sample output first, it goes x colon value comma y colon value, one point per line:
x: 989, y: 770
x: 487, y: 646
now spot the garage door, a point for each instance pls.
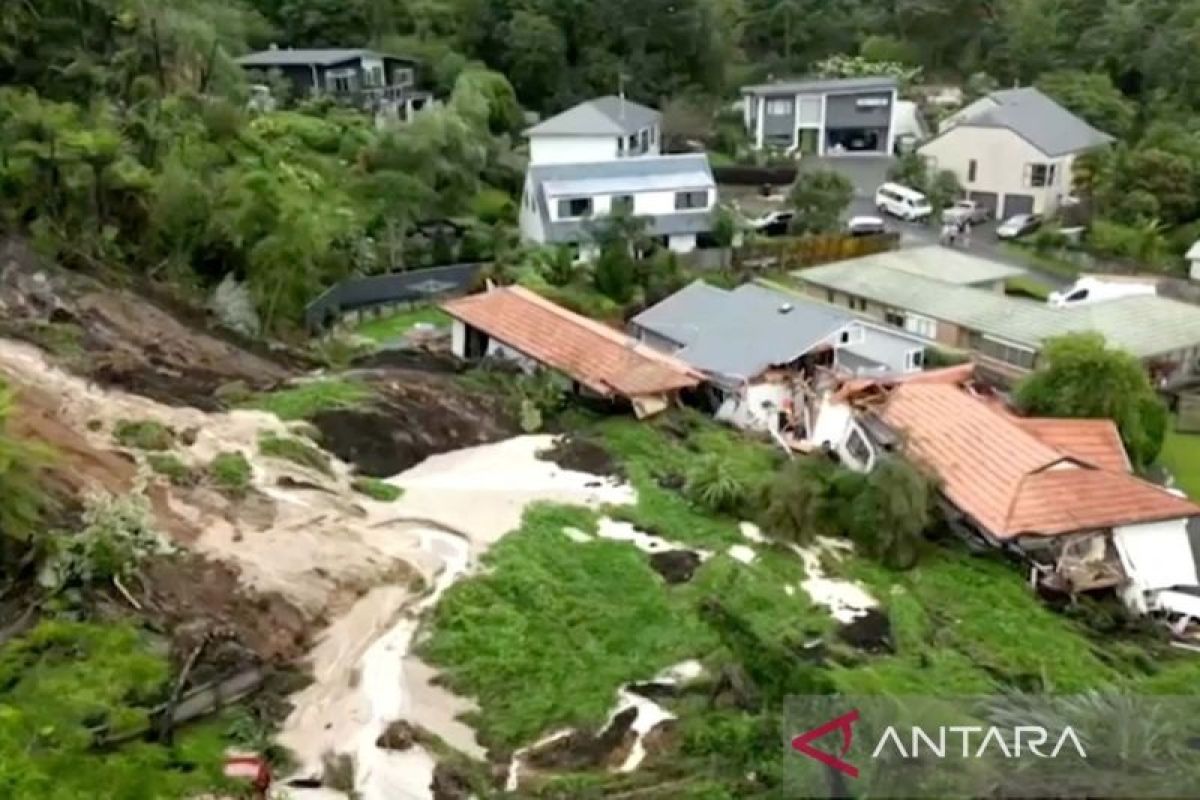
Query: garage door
x: 1017, y: 204
x: 988, y: 200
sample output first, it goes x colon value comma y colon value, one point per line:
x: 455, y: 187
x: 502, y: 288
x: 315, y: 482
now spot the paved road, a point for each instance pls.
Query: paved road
x: 866, y: 173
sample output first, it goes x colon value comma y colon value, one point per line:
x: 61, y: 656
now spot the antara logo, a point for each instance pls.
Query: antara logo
x: 955, y: 740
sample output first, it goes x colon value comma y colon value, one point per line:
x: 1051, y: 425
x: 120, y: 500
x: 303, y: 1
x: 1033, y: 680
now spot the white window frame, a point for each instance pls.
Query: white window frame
x: 568, y: 200
x: 921, y: 325
x: 914, y: 360
x: 688, y: 193
x: 1030, y: 181
x: 851, y: 334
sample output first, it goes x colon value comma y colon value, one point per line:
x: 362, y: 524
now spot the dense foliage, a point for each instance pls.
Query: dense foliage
x: 1079, y: 376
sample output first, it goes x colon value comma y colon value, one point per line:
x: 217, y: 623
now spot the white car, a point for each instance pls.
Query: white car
x: 900, y: 201
x: 966, y: 211
x: 865, y: 226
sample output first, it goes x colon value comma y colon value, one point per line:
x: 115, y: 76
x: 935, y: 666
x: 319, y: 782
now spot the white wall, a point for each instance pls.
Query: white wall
x: 681, y: 243
x: 754, y: 407
x: 571, y: 149
x: 1155, y: 555
x: 1000, y: 158
x: 647, y: 204
x: 458, y: 338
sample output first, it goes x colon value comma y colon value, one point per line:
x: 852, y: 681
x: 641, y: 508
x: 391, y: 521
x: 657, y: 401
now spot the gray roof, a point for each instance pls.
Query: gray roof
x: 287, y: 57
x: 943, y: 264
x: 604, y: 116
x: 1144, y: 325
x: 823, y: 85
x: 738, y: 334
x: 1035, y: 117
x: 622, y: 176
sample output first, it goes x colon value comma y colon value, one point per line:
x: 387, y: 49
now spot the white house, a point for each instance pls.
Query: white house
x: 823, y: 116
x: 602, y: 156
x: 1013, y: 150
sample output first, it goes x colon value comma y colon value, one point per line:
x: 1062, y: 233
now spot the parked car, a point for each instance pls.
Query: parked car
x: 865, y: 226
x: 1018, y: 226
x: 775, y: 223
x: 903, y: 202
x: 967, y: 211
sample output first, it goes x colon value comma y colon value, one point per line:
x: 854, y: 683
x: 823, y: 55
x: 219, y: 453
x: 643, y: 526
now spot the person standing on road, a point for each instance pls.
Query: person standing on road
x: 949, y: 234
x: 965, y: 233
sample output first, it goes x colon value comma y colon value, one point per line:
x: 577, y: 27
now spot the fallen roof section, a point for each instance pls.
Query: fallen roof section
x: 603, y: 360
x: 1010, y: 481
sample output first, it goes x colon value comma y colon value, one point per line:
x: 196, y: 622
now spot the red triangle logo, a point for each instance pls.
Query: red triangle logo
x: 845, y: 724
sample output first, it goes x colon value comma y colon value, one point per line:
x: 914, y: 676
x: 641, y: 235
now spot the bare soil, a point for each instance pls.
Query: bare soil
x: 675, y: 566
x: 871, y: 632
x: 581, y: 455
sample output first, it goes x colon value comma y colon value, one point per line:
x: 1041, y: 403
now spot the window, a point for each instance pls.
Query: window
x: 632, y: 144
x: 402, y: 76
x: 340, y: 80
x: 779, y: 107
x: 852, y: 335
x: 1037, y: 175
x: 574, y: 208
x: 645, y: 143
x: 1013, y: 354
x: 830, y: 296
x: 1053, y: 174
x: 622, y: 203
x: 894, y: 318
x: 620, y: 146
x: 922, y: 326
x: 653, y: 135
x: 685, y: 201
x: 868, y: 103
x: 914, y: 360
x: 972, y: 169
x: 858, y: 303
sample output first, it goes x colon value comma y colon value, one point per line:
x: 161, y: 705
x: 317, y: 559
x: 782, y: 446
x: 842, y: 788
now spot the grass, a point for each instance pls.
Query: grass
x: 304, y: 400
x: 545, y: 636
x: 1181, y: 456
x: 63, y: 681
x: 652, y: 453
x: 297, y: 451
x: 143, y: 435
x: 231, y: 472
x: 170, y: 467
x: 63, y: 339
x: 395, y: 326
x: 1025, y: 286
x: 377, y: 489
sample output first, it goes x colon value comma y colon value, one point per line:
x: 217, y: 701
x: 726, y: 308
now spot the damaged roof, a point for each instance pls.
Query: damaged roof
x: 1016, y: 480
x: 604, y: 360
x: 741, y: 333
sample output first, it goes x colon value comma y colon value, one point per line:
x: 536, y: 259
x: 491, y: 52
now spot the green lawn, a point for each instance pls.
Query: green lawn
x: 305, y: 399
x: 1024, y: 286
x: 1046, y: 262
x: 1181, y: 455
x: 394, y: 326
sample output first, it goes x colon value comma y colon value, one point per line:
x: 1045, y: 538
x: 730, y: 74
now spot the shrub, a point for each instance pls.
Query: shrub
x: 715, y: 484
x: 22, y: 497
x: 116, y: 535
x: 170, y: 467
x: 377, y: 489
x: 231, y: 472
x: 295, y: 450
x: 144, y: 435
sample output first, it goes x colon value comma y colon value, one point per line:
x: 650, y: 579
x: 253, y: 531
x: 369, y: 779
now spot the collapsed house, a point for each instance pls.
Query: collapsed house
x: 1057, y: 492
x: 766, y: 354
x: 517, y: 325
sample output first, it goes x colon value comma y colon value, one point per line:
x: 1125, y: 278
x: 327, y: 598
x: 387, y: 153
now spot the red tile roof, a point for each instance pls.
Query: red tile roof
x: 1094, y: 441
x: 604, y: 360
x: 1011, y: 481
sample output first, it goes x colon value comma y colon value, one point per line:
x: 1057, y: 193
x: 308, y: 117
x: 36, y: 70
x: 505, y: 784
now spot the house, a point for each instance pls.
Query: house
x: 1014, y: 150
x: 823, y: 116
x: 599, y: 362
x: 762, y: 350
x: 378, y: 82
x: 922, y: 290
x: 602, y: 157
x: 1057, y: 492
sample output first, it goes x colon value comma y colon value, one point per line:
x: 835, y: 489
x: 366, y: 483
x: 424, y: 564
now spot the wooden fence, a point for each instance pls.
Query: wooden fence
x: 797, y: 252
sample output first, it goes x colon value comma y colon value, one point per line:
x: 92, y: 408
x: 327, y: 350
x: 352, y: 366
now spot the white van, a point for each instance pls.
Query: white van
x: 902, y: 202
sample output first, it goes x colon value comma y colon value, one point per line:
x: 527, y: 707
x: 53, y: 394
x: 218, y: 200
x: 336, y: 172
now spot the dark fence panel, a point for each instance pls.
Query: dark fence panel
x: 420, y: 285
x: 796, y: 252
x: 748, y: 175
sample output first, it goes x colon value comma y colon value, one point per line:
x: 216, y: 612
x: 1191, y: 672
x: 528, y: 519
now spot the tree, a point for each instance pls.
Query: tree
x: 618, y: 238
x: 1080, y: 377
x: 819, y: 198
x: 537, y: 58
x: 1093, y: 97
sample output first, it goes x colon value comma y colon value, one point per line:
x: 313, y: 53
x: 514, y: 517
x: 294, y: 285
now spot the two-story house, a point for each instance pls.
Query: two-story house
x: 823, y: 116
x: 604, y: 156
x: 1013, y: 150
x: 377, y: 82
